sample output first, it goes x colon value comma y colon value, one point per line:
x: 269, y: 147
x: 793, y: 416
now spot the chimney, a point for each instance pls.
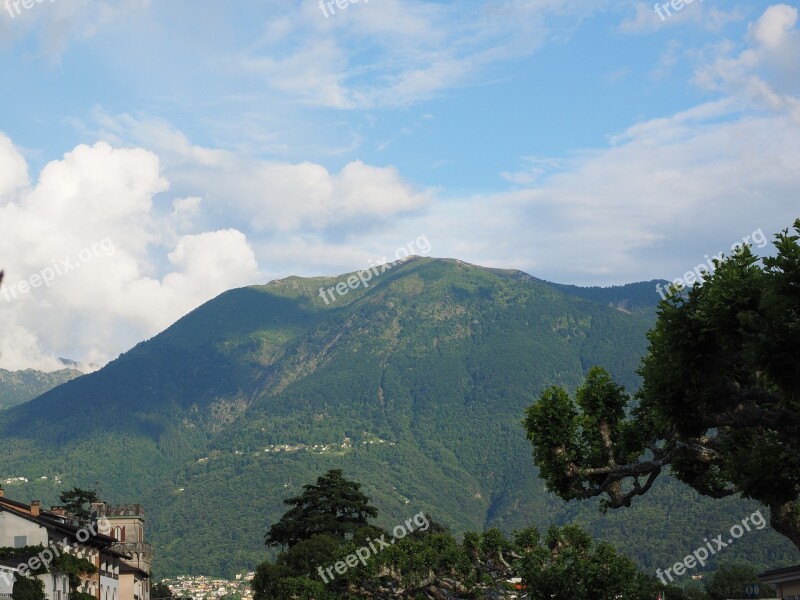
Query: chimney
x: 58, y: 510
x: 2, y: 493
x: 35, y: 505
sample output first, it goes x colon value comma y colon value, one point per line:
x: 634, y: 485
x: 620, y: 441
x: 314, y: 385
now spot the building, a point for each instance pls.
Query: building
x: 122, y: 561
x: 786, y: 582
x: 125, y: 523
x: 7, y: 572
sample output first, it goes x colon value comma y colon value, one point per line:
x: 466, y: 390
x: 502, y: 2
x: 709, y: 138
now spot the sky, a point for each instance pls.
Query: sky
x: 156, y: 153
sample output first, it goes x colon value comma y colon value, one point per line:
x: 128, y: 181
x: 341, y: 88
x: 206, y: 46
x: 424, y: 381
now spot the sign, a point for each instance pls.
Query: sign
x: 751, y: 590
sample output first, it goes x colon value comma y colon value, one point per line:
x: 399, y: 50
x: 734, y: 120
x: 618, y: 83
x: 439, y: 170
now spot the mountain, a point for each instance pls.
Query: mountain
x: 414, y: 385
x: 17, y: 387
x: 632, y: 297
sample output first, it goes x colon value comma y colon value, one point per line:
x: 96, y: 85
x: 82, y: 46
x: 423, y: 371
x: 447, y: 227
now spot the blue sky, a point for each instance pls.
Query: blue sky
x: 217, y: 145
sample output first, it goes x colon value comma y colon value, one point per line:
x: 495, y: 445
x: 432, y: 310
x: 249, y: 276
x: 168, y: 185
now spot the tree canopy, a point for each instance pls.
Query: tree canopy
x: 333, y: 506
x: 431, y: 563
x: 78, y: 502
x: 568, y: 564
x: 161, y: 591
x: 729, y: 582
x: 719, y: 403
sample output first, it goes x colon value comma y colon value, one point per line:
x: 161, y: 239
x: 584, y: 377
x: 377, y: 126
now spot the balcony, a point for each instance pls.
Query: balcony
x: 134, y: 548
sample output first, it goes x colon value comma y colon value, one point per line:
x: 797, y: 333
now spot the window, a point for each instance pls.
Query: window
x: 118, y: 534
x: 20, y: 541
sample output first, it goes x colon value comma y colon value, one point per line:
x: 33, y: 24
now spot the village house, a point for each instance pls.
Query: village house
x: 786, y: 582
x: 113, y: 542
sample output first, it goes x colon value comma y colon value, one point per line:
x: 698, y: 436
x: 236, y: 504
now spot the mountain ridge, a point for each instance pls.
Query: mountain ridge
x: 415, y: 385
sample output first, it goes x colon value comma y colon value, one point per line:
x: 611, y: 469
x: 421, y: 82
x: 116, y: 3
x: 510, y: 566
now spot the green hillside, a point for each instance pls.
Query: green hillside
x: 414, y: 386
x: 631, y: 297
x: 17, y: 387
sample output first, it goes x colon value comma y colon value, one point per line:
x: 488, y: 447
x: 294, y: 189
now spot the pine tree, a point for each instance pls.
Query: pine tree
x: 333, y: 506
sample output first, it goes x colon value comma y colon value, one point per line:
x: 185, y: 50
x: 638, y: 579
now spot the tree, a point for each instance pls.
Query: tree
x: 729, y: 581
x: 161, y: 591
x: 333, y: 506
x: 570, y: 565
x: 28, y: 588
x: 78, y: 502
x: 719, y: 403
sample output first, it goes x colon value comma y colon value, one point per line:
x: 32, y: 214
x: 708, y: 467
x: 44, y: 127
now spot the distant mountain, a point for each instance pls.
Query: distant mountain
x: 17, y: 387
x: 414, y: 385
x: 630, y: 297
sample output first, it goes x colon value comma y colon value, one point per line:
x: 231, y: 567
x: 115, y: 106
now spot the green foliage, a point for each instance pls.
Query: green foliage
x: 415, y: 559
x: 266, y: 582
x: 565, y: 563
x: 23, y: 555
x: 733, y: 344
x: 17, y: 387
x: 333, y: 506
x: 306, y: 555
x: 552, y: 427
x: 160, y: 591
x: 68, y: 564
x: 718, y: 404
x: 729, y: 582
x: 570, y: 565
x: 73, y: 567
x: 300, y: 588
x: 78, y: 502
x: 28, y: 589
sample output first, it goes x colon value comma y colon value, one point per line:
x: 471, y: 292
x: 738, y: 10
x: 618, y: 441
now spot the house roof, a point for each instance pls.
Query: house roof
x: 55, y: 524
x: 126, y: 568
x: 781, y: 575
x: 15, y: 504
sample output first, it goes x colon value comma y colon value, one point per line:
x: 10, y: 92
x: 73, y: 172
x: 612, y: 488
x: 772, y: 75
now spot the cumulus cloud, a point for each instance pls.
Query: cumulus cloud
x: 131, y: 254
x: 83, y: 250
x: 272, y: 196
x: 766, y: 74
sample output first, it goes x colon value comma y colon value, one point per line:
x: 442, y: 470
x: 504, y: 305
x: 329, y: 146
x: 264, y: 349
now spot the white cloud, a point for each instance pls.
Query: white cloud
x: 766, y: 74
x: 396, y: 53
x: 189, y: 220
x: 55, y: 24
x: 775, y: 26
x: 272, y: 196
x: 91, y: 228
x: 14, y: 173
